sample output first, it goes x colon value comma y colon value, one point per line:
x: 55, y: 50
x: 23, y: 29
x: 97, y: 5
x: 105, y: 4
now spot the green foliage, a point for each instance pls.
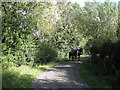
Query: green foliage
x: 6, y: 65
x: 96, y: 76
x: 23, y: 76
x: 45, y: 53
x: 19, y: 46
x: 107, y: 56
x: 38, y: 32
x: 91, y: 74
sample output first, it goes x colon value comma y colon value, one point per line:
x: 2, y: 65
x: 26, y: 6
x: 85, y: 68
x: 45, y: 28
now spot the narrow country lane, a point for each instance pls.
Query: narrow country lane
x: 62, y: 76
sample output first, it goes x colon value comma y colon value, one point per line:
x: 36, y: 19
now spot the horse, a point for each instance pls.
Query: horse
x: 79, y: 52
x: 73, y: 54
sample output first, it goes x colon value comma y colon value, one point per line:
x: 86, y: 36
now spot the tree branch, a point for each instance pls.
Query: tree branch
x: 4, y: 8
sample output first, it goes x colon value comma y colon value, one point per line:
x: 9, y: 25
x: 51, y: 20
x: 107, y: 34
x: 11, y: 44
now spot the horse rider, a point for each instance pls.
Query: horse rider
x: 72, y: 48
x: 78, y: 47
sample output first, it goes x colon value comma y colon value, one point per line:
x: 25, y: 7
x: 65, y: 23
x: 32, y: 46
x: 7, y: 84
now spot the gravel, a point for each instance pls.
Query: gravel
x: 66, y: 75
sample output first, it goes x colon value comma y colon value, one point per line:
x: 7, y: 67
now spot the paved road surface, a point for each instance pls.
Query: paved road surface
x: 62, y: 76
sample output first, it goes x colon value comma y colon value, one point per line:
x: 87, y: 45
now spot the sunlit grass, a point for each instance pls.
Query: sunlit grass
x: 19, y: 77
x: 23, y: 76
x: 82, y: 55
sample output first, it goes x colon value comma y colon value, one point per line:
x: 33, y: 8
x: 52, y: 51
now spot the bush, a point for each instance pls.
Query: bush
x: 108, y: 55
x: 45, y: 53
x: 7, y: 64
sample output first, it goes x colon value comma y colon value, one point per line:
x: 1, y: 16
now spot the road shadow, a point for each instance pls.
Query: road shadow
x: 66, y: 75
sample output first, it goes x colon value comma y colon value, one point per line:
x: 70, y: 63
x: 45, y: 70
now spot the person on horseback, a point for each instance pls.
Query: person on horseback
x: 78, y: 47
x: 78, y: 52
x: 72, y: 48
x: 72, y: 53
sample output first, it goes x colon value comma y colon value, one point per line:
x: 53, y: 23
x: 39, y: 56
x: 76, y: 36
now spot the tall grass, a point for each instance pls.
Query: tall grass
x: 90, y: 73
x: 23, y: 76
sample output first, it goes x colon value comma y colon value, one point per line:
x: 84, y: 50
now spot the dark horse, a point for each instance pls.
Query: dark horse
x: 75, y: 54
x: 79, y: 52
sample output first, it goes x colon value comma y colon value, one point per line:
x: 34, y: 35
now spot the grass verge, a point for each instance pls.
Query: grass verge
x: 23, y: 76
x: 83, y: 55
x: 88, y: 73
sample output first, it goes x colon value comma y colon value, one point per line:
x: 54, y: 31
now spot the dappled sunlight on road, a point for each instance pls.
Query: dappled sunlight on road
x: 62, y: 76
